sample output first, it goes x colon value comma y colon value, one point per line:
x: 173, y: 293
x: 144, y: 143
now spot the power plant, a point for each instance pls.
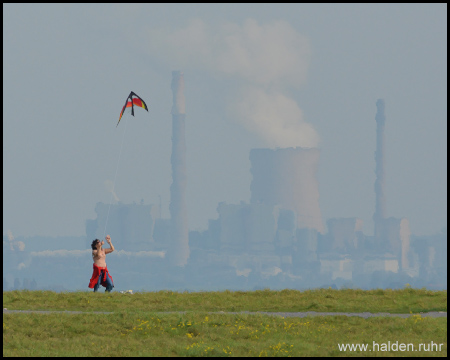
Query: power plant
x: 276, y: 240
x: 287, y: 177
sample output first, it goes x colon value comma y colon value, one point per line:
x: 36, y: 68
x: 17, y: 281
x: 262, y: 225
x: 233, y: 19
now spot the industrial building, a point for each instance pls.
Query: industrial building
x: 278, y: 239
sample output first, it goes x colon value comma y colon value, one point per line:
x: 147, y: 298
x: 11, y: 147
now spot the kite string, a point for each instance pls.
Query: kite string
x: 114, y: 183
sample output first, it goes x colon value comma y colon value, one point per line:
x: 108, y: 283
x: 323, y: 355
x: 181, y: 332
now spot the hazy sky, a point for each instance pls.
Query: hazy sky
x: 262, y: 75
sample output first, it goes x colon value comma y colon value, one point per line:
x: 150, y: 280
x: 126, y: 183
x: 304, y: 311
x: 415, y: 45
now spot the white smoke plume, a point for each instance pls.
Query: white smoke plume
x: 276, y: 118
x: 59, y: 253
x: 11, y: 239
x: 83, y: 253
x: 110, y: 188
x: 268, y: 59
x: 19, y: 245
x: 14, y: 244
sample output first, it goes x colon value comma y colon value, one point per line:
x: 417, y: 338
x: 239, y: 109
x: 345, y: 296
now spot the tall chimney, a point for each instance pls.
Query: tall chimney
x: 380, y: 206
x: 179, y: 248
x: 287, y: 177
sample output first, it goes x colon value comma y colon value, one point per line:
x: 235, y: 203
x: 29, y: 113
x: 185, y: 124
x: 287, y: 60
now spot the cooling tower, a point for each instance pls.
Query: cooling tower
x: 287, y: 177
x: 178, y: 252
x: 380, y: 205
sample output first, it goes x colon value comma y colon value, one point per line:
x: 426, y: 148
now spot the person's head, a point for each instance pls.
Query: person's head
x: 95, y: 243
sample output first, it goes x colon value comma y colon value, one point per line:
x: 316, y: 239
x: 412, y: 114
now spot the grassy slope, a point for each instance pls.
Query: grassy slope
x: 136, y: 329
x: 203, y: 334
x: 325, y: 300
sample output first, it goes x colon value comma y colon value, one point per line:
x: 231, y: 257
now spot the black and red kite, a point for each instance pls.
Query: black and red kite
x: 131, y: 101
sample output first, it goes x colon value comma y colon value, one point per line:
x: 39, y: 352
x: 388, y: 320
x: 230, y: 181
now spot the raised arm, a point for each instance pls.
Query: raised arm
x: 111, y: 246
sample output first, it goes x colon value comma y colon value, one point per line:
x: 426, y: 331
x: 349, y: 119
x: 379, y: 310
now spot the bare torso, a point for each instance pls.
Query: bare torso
x: 100, y: 258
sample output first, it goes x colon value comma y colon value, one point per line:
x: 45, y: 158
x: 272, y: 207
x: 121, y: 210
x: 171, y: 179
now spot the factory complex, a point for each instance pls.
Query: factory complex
x: 277, y: 240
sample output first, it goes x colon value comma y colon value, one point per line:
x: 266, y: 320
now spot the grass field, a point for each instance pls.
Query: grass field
x: 137, y: 326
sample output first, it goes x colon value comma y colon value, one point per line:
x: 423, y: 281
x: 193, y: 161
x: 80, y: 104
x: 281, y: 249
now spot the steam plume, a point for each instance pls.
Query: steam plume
x: 265, y: 60
x: 110, y: 188
x: 11, y: 239
x: 276, y: 118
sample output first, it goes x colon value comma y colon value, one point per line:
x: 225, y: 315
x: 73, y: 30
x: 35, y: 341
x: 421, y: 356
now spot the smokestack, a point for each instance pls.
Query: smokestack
x: 380, y: 205
x: 287, y: 177
x: 179, y: 247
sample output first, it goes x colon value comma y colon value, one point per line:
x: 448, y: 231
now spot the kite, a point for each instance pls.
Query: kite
x: 131, y: 101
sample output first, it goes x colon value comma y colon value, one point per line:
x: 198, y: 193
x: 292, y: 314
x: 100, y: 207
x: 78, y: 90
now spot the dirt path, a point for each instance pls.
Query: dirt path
x: 365, y: 315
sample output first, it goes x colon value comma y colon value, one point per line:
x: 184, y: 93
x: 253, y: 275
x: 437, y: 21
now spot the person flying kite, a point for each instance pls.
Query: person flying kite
x: 131, y: 101
x: 100, y: 274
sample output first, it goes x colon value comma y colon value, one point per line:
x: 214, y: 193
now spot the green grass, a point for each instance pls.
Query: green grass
x: 322, y: 300
x: 137, y: 327
x: 204, y: 334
